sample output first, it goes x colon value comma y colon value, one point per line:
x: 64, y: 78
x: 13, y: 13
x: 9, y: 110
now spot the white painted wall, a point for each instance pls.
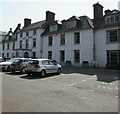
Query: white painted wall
x: 102, y: 46
x: 85, y: 46
x: 36, y: 49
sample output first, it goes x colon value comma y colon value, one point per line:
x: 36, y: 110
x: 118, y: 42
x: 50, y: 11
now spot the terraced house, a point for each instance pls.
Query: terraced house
x: 79, y: 40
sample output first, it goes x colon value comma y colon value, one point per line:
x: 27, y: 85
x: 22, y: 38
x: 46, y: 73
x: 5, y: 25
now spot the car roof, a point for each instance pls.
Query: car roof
x: 39, y: 59
x: 21, y: 58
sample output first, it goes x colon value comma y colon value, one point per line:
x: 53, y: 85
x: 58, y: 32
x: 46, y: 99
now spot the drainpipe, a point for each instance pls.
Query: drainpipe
x: 41, y: 46
x: 94, y: 58
x: 94, y: 49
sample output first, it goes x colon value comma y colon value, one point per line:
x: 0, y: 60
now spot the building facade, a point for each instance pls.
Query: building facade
x: 77, y: 40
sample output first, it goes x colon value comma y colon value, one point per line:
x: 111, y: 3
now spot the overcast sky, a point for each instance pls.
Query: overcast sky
x: 14, y: 11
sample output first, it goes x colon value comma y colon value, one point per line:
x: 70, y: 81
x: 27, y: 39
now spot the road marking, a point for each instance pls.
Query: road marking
x: 98, y: 86
x: 103, y: 83
x: 72, y: 84
x: 109, y: 88
x: 83, y: 80
x: 87, y: 99
x: 91, y: 90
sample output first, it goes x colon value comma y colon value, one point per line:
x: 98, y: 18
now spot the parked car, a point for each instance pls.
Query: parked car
x: 1, y: 59
x: 6, y: 64
x: 42, y: 67
x: 19, y: 65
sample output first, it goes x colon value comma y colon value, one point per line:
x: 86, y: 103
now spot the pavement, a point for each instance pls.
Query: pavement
x: 75, y: 90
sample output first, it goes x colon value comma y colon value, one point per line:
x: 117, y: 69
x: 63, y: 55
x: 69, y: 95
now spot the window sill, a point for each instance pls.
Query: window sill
x: 112, y: 43
x: 76, y: 43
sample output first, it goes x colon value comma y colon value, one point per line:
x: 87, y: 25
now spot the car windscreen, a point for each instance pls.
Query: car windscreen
x: 33, y: 62
x: 11, y: 60
x: 18, y: 61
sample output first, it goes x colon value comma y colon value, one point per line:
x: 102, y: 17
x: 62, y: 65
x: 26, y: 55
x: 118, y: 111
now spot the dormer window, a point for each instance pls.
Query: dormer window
x: 53, y: 28
x: 112, y: 19
x: 71, y: 24
x: 117, y: 18
x: 27, y: 33
x: 34, y: 32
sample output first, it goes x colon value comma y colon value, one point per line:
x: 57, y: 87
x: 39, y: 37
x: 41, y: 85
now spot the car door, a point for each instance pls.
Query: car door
x: 53, y: 66
x: 46, y: 66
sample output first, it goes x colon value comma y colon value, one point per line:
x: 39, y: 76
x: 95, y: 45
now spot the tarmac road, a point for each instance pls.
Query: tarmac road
x: 74, y: 90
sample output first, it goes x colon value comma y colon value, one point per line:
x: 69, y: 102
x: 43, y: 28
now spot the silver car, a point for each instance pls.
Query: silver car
x: 6, y: 64
x: 43, y: 67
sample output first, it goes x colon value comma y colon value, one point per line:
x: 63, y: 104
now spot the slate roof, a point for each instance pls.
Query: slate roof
x: 83, y: 22
x: 40, y: 24
x: 102, y: 24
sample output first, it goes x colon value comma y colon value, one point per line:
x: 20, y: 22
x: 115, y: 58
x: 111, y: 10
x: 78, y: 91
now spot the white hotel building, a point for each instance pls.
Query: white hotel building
x: 78, y: 39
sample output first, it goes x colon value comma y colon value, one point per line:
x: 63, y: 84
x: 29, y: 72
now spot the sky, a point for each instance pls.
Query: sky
x: 13, y: 12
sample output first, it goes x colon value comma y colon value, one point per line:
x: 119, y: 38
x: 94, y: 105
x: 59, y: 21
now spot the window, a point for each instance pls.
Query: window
x: 117, y: 18
x: 34, y: 42
x: 21, y: 44
x: 112, y: 36
x: 107, y: 19
x: 27, y: 43
x: 50, y: 41
x: 77, y: 38
x: 7, y: 55
x: 62, y: 39
x: 34, y: 54
x: 53, y: 28
x: 21, y: 34
x: 112, y: 19
x: 51, y: 63
x: 113, y: 57
x: 8, y: 46
x: 71, y: 24
x: 2, y: 54
x: 34, y: 32
x: 62, y: 56
x: 27, y: 33
x: 13, y: 45
x: 3, y: 46
x: 45, y: 62
x: 49, y: 54
x: 76, y: 56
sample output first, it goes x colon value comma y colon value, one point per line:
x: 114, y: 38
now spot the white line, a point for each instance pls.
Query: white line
x: 72, y: 84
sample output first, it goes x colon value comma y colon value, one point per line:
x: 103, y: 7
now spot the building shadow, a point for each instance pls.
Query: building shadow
x: 103, y: 75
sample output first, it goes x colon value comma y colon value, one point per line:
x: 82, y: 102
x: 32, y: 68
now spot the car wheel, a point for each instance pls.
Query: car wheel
x: 23, y: 70
x: 29, y: 74
x: 43, y: 73
x: 12, y: 71
x: 59, y: 71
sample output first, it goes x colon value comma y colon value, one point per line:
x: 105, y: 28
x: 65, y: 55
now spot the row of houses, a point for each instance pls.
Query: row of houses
x: 78, y: 39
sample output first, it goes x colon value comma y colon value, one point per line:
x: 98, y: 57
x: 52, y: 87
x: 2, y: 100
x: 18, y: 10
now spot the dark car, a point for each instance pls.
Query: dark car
x: 19, y: 65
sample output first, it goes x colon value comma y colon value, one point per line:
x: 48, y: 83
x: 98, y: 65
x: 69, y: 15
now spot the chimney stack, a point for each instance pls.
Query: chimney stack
x: 98, y: 11
x: 27, y: 22
x: 50, y: 16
